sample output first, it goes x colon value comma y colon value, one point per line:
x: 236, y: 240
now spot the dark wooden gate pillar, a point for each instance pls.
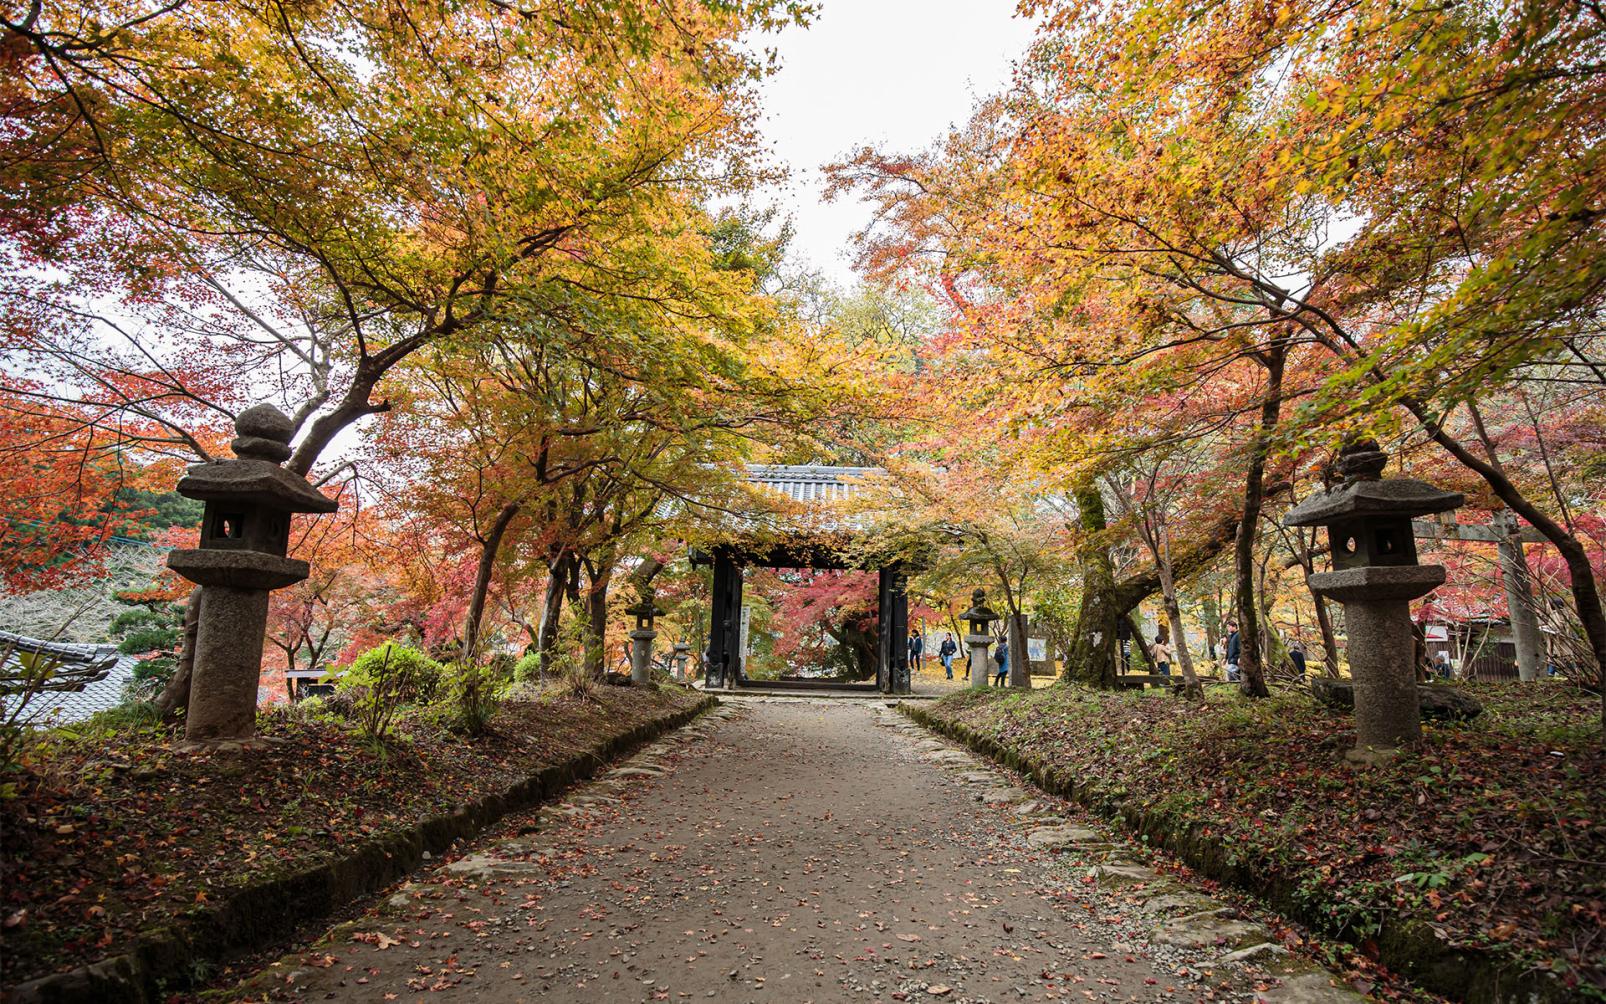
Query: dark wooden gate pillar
x: 884, y: 640
x: 899, y: 594
x: 718, y: 616
x: 725, y: 626
x: 892, y: 617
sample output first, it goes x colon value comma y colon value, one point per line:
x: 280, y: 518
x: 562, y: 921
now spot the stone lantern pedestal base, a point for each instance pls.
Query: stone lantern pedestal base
x: 1377, y: 615
x: 979, y: 669
x: 228, y: 663
x: 641, y: 656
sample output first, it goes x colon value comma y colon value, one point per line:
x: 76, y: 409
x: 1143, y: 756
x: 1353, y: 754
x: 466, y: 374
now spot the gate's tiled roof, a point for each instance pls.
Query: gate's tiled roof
x: 807, y: 483
x: 84, y: 679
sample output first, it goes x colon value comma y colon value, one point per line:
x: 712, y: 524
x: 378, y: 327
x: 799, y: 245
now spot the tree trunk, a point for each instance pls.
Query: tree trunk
x: 1519, y: 600
x: 1191, y: 688
x: 546, y: 639
x: 1091, y: 660
x: 1020, y: 662
x: 482, y: 581
x: 1140, y: 645
x: 1324, y: 621
x: 596, y: 600
x: 1250, y: 661
x: 175, y: 696
x: 1212, y: 623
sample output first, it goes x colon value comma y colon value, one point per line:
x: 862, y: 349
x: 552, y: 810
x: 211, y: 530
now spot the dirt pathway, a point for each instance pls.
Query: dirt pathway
x: 791, y: 851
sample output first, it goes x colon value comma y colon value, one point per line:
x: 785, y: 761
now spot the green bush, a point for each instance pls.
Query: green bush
x: 475, y: 692
x: 383, y: 679
x: 151, y: 632
x: 527, y: 668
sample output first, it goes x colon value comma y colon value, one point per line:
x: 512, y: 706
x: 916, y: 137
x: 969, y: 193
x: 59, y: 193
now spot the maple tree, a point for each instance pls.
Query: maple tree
x: 1159, y: 211
x: 287, y: 199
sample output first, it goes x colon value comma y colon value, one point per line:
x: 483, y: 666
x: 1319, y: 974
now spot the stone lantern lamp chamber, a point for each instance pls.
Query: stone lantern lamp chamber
x: 645, y: 610
x: 245, y: 539
x: 1376, y: 575
x: 978, y: 617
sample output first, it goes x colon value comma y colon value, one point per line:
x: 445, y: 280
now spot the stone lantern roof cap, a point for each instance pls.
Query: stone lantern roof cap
x: 254, y: 475
x: 259, y: 481
x: 645, y: 607
x: 1366, y: 493
x: 979, y: 611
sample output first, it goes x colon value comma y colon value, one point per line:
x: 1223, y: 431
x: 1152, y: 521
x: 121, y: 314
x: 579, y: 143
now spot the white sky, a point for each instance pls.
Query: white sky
x: 886, y: 72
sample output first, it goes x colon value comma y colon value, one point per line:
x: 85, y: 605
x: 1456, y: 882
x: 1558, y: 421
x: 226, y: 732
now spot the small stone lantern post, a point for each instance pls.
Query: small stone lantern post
x: 643, y: 610
x: 245, y: 536
x: 682, y: 653
x: 978, y: 617
x: 1375, y: 575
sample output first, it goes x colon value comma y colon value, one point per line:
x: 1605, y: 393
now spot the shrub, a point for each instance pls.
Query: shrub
x: 575, y: 682
x: 27, y: 675
x: 384, y: 678
x: 476, y: 691
x: 527, y: 668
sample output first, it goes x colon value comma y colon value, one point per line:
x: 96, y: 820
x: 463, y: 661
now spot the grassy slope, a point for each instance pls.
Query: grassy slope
x: 1495, y: 831
x: 116, y: 832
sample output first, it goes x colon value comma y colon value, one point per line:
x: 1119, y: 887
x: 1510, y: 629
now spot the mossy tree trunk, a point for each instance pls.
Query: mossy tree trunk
x: 1092, y: 657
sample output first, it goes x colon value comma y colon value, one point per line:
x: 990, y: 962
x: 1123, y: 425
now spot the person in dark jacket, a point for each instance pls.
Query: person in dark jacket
x: 1296, y: 655
x: 1002, y: 655
x: 946, y: 652
x: 917, y: 650
x: 1235, y: 647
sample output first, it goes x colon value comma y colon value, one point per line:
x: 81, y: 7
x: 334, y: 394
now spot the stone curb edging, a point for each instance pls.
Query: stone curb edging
x: 165, y: 959
x: 1406, y: 946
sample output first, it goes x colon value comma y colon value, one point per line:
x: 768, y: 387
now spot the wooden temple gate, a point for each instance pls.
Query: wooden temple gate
x: 722, y: 663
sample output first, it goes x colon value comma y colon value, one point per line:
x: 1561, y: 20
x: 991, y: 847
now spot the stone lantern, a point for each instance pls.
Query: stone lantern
x: 682, y: 653
x: 978, y: 617
x: 643, y: 610
x: 1375, y: 575
x: 245, y: 536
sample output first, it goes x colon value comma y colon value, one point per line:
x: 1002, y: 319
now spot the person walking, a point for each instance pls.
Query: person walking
x: 946, y: 652
x: 1234, y: 651
x: 1002, y: 655
x: 1162, y: 655
x: 917, y: 650
x: 1296, y: 655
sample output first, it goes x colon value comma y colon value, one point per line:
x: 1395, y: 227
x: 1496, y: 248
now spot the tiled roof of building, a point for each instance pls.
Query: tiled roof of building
x: 812, y: 482
x: 84, y: 678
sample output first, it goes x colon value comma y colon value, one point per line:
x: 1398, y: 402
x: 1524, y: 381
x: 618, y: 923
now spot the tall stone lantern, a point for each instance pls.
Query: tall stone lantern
x: 644, y: 611
x: 1376, y: 575
x: 978, y: 617
x: 245, y: 537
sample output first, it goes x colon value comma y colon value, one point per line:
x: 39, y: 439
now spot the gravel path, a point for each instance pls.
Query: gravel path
x: 794, y: 851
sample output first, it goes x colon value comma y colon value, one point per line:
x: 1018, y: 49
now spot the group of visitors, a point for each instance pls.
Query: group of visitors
x: 945, y: 652
x: 1232, y: 654
x: 1298, y: 656
x: 949, y: 649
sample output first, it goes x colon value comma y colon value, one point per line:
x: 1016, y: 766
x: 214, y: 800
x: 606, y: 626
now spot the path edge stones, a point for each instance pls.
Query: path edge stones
x: 1464, y: 973
x: 176, y: 956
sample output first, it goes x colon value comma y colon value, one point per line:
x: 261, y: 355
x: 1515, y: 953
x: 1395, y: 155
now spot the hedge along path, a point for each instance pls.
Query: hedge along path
x: 1405, y: 946
x: 175, y: 956
x: 788, y: 850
